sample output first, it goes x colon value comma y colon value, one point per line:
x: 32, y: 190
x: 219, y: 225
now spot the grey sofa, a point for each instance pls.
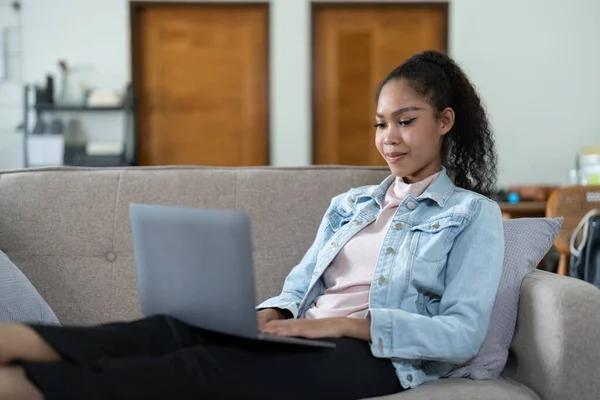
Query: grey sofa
x: 68, y: 230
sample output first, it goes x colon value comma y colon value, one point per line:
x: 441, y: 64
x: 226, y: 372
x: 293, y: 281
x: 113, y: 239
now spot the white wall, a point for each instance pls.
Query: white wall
x: 93, y: 37
x: 290, y: 119
x: 10, y: 87
x: 536, y: 63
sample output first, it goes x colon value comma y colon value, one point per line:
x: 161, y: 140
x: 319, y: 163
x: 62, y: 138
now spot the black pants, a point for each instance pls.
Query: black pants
x: 163, y: 358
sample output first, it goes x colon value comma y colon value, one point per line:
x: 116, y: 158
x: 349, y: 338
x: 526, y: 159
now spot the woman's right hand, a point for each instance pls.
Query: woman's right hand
x: 266, y: 315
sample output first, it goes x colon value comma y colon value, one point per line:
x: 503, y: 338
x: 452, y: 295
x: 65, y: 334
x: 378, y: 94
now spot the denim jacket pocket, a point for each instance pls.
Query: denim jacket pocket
x: 434, y: 238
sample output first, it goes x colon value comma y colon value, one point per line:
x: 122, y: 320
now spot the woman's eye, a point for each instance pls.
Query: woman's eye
x: 379, y: 125
x: 407, y: 122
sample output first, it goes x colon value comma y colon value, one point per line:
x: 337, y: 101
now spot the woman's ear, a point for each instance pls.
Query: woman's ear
x: 446, y: 120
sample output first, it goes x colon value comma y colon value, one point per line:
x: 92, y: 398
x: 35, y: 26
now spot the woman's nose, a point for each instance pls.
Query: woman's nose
x: 392, y: 137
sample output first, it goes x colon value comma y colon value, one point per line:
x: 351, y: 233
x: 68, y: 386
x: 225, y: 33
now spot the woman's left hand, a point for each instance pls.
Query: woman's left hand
x: 358, y: 328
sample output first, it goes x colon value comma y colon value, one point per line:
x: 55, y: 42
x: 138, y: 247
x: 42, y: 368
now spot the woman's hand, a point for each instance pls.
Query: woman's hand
x: 266, y: 315
x: 307, y: 328
x: 358, y: 328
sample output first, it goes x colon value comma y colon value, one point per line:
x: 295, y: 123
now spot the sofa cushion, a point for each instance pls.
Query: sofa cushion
x: 20, y: 302
x: 526, y: 242
x: 463, y: 389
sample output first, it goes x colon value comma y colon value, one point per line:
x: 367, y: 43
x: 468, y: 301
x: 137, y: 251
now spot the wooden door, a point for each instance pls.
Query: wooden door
x: 354, y: 48
x: 201, y: 80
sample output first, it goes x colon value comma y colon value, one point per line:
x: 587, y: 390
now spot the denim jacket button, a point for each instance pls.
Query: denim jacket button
x: 409, y: 377
x: 411, y: 205
x: 398, y: 226
x: 381, y: 280
x: 389, y: 250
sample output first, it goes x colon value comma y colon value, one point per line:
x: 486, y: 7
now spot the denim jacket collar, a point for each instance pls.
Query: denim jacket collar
x: 439, y: 190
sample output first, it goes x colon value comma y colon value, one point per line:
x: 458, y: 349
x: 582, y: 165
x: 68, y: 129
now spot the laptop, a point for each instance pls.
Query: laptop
x: 196, y: 265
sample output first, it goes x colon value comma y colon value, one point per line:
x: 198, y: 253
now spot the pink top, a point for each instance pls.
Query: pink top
x: 348, y: 277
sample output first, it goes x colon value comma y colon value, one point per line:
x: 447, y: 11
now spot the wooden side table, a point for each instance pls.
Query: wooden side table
x: 525, y: 209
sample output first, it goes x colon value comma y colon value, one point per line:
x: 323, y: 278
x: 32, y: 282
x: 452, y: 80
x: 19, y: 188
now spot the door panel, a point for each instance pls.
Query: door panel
x: 355, y: 47
x: 201, y: 78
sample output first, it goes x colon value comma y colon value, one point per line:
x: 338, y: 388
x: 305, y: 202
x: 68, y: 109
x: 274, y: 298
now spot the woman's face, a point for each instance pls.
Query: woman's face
x: 409, y: 133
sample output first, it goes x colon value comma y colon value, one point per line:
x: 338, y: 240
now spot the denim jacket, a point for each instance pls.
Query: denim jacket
x: 435, y: 280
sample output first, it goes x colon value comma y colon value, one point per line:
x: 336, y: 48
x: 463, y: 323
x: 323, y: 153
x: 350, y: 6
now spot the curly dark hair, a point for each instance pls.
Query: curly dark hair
x: 468, y: 150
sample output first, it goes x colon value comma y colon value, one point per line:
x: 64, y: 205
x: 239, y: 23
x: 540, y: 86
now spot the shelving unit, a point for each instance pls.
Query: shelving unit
x: 75, y: 155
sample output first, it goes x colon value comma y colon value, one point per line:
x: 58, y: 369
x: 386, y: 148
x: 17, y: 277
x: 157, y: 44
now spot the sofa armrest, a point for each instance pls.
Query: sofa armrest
x: 556, y: 347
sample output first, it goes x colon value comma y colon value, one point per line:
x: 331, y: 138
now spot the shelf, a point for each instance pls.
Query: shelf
x: 56, y: 108
x: 70, y: 156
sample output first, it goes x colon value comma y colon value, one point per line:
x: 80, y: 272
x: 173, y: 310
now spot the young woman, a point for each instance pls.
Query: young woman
x: 402, y: 276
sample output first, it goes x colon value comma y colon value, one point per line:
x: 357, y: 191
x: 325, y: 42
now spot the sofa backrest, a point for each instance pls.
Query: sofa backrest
x: 68, y: 228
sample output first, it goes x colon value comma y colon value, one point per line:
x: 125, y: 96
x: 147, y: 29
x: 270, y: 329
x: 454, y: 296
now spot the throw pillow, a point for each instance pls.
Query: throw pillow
x: 526, y: 242
x: 20, y: 302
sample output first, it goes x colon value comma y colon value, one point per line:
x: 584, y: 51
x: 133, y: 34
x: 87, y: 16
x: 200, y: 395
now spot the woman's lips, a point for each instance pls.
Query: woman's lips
x: 395, y: 156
